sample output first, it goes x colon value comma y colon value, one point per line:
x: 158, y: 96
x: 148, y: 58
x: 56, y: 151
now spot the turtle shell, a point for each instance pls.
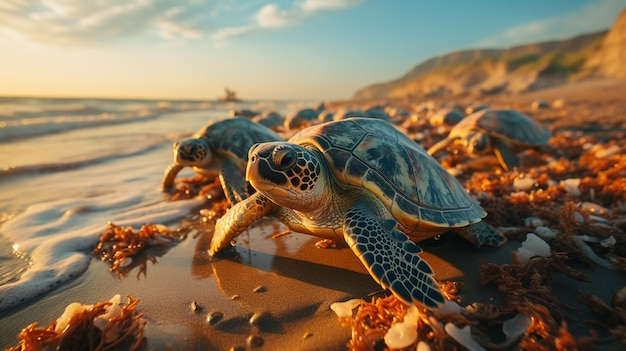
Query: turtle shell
x: 414, y: 187
x: 510, y: 125
x: 233, y: 137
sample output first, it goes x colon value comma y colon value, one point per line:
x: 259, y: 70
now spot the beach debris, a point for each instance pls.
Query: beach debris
x: 293, y: 178
x: 326, y: 244
x: 102, y: 326
x: 571, y: 185
x: 523, y: 184
x: 119, y: 245
x: 222, y: 141
x: 495, y: 131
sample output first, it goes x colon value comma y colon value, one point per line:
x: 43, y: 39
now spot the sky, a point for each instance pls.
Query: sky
x: 279, y: 49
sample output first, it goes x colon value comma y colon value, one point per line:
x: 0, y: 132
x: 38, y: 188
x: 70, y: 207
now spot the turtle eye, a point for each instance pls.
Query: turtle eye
x: 283, y: 157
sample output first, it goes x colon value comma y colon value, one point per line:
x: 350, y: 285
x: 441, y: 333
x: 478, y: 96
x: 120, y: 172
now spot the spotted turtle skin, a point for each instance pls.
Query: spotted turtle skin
x: 362, y: 181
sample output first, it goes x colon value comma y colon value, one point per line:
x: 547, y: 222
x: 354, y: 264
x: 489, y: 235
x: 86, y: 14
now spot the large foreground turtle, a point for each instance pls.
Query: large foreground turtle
x: 362, y: 181
x: 500, y: 131
x: 223, y: 143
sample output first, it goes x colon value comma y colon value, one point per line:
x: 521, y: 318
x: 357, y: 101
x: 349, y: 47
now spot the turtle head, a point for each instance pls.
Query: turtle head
x: 477, y: 143
x: 286, y: 173
x: 193, y: 152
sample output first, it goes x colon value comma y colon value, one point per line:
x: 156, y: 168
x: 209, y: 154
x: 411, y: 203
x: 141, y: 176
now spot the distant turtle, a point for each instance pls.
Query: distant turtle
x: 272, y: 120
x: 446, y: 117
x: 500, y: 131
x: 224, y: 141
x: 363, y: 181
x: 301, y: 119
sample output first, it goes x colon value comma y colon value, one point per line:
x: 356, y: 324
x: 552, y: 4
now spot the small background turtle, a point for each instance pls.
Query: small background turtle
x: 363, y: 181
x: 501, y: 131
x: 222, y: 143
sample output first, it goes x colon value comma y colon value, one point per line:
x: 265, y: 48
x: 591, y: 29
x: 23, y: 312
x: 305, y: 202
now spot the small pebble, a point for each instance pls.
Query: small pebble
x: 261, y: 320
x: 533, y: 222
x: 260, y: 288
x: 195, y: 307
x: 254, y: 341
x: 326, y: 244
x: 307, y: 335
x: 214, y: 317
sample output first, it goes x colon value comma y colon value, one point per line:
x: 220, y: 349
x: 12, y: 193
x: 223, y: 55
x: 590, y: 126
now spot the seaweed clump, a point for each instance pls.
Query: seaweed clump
x: 104, y: 326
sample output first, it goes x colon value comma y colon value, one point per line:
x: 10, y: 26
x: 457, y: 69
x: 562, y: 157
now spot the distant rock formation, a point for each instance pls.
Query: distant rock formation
x: 610, y: 60
x: 513, y: 70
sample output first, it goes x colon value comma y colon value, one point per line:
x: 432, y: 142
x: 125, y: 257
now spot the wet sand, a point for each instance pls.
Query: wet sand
x: 300, y: 281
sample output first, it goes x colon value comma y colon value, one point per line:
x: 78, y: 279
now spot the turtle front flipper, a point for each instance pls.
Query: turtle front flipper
x: 237, y: 219
x: 481, y: 233
x: 233, y: 183
x: 391, y: 258
x: 169, y: 175
x: 507, y: 157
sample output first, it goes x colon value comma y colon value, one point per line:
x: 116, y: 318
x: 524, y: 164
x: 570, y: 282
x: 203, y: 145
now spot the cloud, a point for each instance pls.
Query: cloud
x: 79, y: 22
x: 82, y: 22
x: 593, y: 17
x: 272, y: 16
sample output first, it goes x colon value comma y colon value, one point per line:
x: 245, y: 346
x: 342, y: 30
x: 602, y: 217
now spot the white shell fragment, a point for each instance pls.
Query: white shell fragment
x: 545, y: 232
x: 344, y: 309
x: 608, y: 242
x: 531, y: 247
x: 516, y: 326
x: 523, y: 184
x: 533, y: 222
x: 401, y: 335
x: 463, y: 337
x: 422, y: 346
x: 610, y: 151
x: 571, y: 186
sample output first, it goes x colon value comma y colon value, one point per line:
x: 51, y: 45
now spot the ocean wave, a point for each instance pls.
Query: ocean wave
x: 27, y: 119
x: 92, y: 159
x: 60, y: 250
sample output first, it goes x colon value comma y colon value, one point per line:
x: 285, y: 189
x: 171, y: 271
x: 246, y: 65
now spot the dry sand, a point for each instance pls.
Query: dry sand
x: 299, y: 280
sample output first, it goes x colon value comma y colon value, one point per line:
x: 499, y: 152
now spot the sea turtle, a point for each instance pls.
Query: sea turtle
x: 501, y: 131
x: 363, y: 181
x: 223, y: 140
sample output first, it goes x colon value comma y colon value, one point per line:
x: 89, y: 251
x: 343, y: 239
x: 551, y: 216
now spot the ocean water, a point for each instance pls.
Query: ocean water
x: 69, y: 166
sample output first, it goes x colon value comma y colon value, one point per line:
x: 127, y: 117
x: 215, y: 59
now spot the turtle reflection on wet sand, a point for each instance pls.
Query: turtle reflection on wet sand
x: 498, y: 131
x: 223, y: 143
x: 362, y: 181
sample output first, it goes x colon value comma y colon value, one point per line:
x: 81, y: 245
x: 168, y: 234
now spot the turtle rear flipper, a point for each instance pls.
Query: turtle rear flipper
x: 391, y: 258
x: 233, y: 183
x: 505, y: 155
x: 481, y: 233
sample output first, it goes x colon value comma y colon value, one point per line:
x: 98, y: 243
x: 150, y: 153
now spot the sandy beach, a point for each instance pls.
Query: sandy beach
x: 281, y: 288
